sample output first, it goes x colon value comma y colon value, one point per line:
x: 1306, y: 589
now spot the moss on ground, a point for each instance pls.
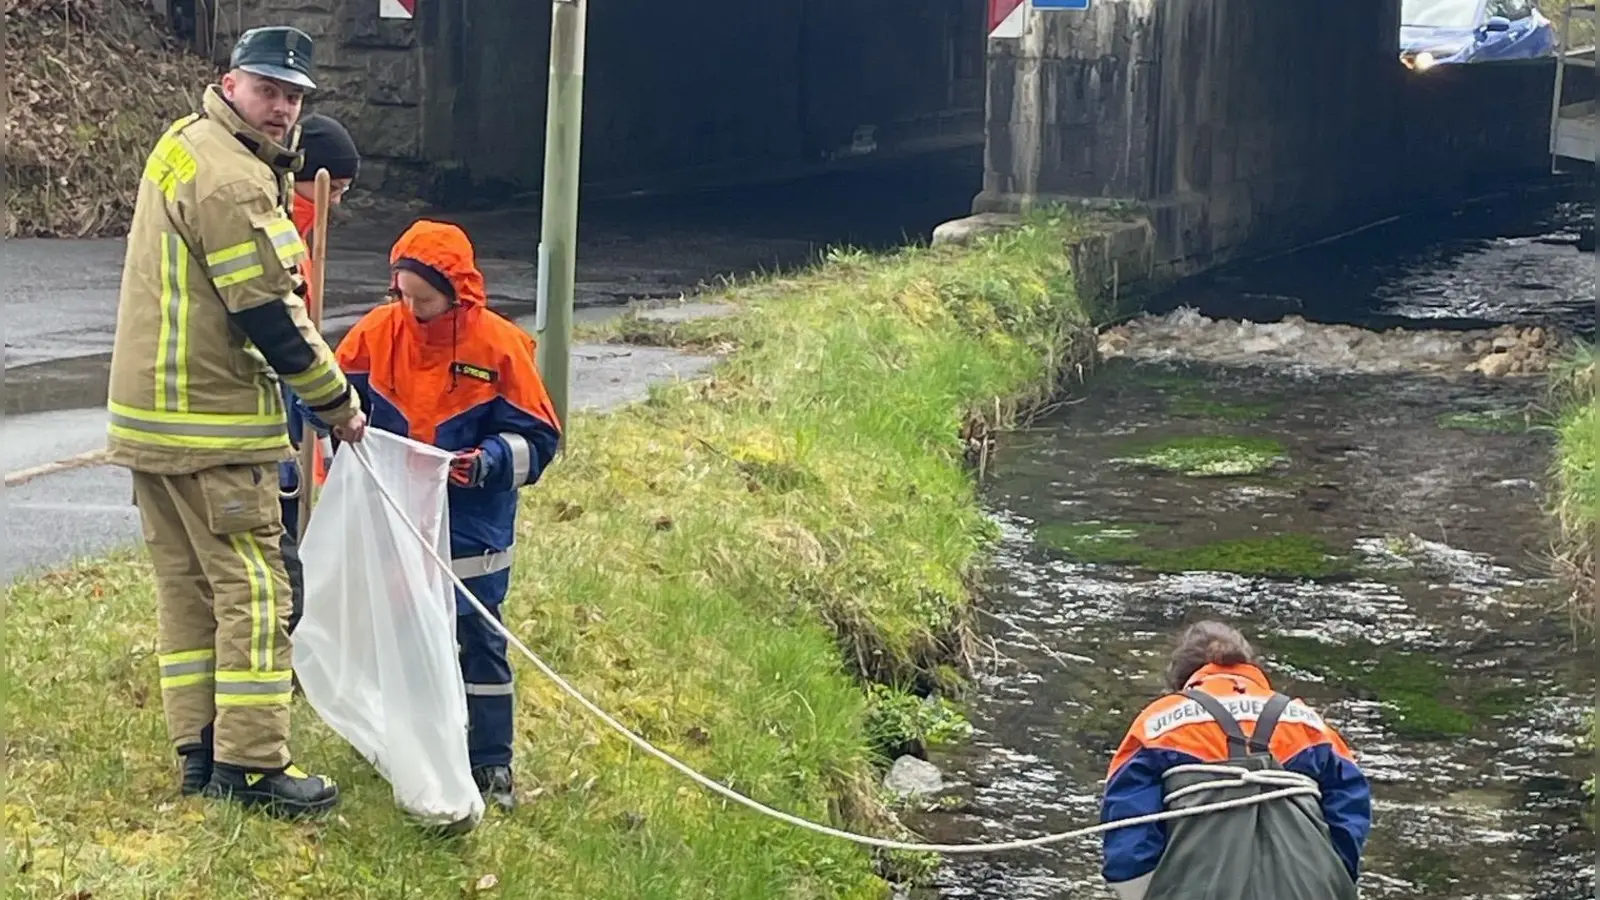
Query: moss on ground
x: 1419, y: 691
x: 720, y: 566
x: 1274, y: 556
x: 1208, y: 456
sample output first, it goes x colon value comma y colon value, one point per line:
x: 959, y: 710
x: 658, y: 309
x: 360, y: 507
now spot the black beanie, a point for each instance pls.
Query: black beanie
x: 428, y: 273
x: 327, y: 146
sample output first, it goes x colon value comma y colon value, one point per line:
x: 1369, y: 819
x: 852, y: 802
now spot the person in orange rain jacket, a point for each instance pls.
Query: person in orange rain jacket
x: 437, y: 366
x: 326, y: 145
x: 1222, y: 712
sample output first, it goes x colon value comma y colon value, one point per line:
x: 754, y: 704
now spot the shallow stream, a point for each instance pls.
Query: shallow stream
x: 1364, y: 508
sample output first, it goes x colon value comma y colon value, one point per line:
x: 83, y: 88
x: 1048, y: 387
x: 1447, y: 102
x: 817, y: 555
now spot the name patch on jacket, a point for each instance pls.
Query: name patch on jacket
x: 479, y: 373
x: 1245, y: 709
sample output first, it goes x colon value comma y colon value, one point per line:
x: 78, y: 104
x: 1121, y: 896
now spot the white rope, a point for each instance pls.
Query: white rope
x: 1237, y: 776
x: 728, y: 793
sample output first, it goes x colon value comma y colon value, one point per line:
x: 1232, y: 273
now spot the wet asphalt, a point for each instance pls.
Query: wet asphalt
x: 60, y: 298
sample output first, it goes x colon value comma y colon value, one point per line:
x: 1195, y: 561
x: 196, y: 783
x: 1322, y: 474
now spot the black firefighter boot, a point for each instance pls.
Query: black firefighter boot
x: 495, y: 783
x: 286, y: 793
x: 195, y: 765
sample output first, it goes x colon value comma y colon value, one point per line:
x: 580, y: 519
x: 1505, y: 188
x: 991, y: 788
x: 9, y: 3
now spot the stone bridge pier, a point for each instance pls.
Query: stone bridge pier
x: 1246, y: 125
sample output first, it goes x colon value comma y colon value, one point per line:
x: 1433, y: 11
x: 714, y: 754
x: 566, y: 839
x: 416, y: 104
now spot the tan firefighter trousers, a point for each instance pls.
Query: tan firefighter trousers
x: 223, y: 604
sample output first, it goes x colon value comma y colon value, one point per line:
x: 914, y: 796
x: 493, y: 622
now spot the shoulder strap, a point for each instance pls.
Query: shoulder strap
x: 1225, y: 720
x: 1261, y: 737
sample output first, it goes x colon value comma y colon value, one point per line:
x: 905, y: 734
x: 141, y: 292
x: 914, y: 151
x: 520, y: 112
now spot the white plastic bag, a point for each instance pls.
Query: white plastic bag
x: 375, y: 650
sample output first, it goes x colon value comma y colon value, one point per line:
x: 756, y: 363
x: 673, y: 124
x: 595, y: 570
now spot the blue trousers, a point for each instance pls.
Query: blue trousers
x: 487, y: 672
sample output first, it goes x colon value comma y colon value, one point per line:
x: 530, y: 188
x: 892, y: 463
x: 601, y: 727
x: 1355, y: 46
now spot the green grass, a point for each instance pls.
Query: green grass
x: 1577, y: 475
x: 718, y: 566
x: 1577, y: 496
x: 1209, y: 456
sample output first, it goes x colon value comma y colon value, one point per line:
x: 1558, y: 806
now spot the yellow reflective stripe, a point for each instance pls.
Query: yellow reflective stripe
x: 188, y: 442
x: 234, y: 265
x: 172, y: 344
x: 180, y: 276
x: 279, y: 229
x: 281, y: 677
x: 166, y: 347
x: 319, y: 384
x: 186, y: 667
x: 216, y: 420
x: 239, y: 277
x: 285, y: 240
x: 227, y: 254
x: 185, y: 656
x: 263, y: 611
x: 264, y: 397
x: 278, y: 699
x: 291, y: 251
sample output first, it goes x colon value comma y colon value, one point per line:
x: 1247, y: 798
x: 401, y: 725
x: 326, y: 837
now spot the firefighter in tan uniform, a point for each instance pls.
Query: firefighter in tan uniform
x: 210, y: 309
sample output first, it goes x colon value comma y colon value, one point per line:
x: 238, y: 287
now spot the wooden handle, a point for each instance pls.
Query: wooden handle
x: 319, y: 245
x: 318, y: 270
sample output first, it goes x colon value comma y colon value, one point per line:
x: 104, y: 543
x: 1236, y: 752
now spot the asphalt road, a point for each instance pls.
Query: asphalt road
x: 60, y: 299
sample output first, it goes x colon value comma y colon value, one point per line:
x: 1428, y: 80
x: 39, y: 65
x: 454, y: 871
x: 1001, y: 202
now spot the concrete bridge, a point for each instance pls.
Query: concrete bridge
x: 1241, y: 125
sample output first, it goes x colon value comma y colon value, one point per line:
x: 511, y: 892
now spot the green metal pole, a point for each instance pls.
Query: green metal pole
x: 558, y: 232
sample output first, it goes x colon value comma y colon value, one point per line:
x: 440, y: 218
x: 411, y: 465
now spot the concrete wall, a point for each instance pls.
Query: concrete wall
x: 691, y: 91
x: 1244, y: 125
x: 454, y: 100
x: 369, y: 75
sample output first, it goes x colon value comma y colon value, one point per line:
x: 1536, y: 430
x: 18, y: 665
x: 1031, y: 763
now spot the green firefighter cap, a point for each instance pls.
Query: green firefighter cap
x: 279, y: 52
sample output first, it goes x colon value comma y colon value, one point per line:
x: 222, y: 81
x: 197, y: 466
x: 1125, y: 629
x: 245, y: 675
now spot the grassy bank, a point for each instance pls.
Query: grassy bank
x: 1577, y: 493
x: 718, y: 566
x: 90, y: 86
x: 1577, y: 475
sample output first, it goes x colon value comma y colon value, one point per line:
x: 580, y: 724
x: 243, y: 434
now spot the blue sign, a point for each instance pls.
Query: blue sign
x: 1079, y: 5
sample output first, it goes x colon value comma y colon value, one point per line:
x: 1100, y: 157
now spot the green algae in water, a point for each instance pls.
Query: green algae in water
x: 1415, y: 689
x: 1210, y: 456
x: 1200, y: 408
x: 1276, y: 556
x: 1102, y: 543
x: 1494, y: 421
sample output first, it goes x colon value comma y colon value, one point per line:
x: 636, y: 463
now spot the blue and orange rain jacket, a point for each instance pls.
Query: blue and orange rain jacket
x: 1175, y: 730
x: 465, y: 379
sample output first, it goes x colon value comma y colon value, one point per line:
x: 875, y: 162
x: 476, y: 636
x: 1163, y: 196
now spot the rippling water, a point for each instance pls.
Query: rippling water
x: 1443, y: 529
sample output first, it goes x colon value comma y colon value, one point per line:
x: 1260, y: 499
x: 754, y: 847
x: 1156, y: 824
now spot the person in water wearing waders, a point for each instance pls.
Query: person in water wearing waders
x: 1222, y: 710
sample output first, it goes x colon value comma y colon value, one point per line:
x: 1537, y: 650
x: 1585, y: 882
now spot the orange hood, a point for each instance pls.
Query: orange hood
x: 446, y: 249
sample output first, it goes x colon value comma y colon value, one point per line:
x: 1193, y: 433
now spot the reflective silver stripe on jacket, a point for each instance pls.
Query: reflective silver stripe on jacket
x: 489, y: 690
x: 521, y: 456
x: 486, y: 564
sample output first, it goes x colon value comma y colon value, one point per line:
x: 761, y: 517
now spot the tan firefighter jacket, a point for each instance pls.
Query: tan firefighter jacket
x: 210, y: 300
